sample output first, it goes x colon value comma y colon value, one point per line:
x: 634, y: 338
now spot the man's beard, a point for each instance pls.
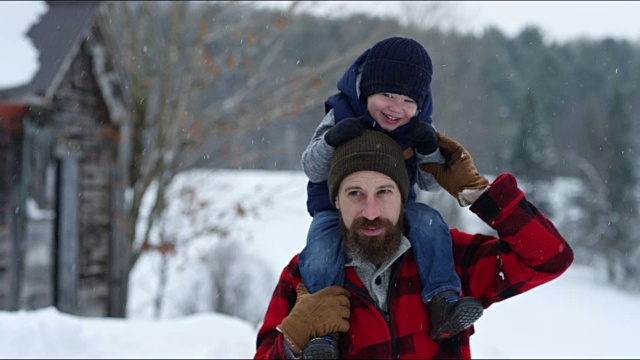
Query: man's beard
x: 375, y: 249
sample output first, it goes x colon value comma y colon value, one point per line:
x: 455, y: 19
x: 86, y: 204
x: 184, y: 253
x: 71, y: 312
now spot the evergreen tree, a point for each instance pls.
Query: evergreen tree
x: 533, y: 158
x: 619, y: 177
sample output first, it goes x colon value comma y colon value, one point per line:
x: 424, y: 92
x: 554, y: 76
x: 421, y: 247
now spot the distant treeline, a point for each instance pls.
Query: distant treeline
x: 519, y: 104
x: 481, y: 88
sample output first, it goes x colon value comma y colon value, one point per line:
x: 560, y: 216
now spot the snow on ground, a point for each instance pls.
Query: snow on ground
x: 571, y: 317
x: 47, y: 333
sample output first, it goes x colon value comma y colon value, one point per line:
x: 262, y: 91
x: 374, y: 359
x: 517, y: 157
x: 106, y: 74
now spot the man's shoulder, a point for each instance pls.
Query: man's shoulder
x: 461, y: 240
x: 292, y: 268
x: 294, y: 259
x: 459, y: 236
x: 294, y: 262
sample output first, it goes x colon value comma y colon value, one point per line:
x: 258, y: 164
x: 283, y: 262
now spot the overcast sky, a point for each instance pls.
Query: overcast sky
x: 559, y: 20
x: 19, y: 60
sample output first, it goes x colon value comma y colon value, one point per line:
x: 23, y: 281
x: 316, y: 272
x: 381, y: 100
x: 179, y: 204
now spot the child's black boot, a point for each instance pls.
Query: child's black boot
x: 325, y: 347
x: 450, y: 314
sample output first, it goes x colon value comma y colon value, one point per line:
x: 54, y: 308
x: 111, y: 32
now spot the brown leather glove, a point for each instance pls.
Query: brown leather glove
x: 458, y: 172
x: 317, y: 314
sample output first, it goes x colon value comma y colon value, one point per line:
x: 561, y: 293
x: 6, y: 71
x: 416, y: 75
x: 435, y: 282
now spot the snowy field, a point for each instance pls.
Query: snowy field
x: 571, y: 317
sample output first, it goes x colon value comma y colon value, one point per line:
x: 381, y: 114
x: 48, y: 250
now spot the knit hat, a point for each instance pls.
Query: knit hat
x: 397, y: 65
x: 372, y: 151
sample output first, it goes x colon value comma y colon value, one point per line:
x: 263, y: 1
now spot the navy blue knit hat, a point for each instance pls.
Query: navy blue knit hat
x: 397, y: 65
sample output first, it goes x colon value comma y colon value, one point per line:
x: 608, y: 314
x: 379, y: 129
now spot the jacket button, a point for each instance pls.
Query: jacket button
x: 378, y: 280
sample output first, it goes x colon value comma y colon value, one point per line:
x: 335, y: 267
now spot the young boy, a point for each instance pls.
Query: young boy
x: 387, y: 88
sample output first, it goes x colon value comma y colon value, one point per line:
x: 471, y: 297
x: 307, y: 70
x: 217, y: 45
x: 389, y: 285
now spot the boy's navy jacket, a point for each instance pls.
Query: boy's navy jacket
x: 347, y: 104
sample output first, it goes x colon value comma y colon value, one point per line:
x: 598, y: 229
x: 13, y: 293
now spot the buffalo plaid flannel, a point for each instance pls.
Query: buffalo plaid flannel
x: 528, y: 252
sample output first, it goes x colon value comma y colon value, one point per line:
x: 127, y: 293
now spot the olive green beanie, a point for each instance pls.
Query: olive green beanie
x: 373, y: 151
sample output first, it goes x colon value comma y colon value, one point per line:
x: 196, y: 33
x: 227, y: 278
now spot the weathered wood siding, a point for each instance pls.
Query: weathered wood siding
x: 10, y: 217
x: 82, y: 128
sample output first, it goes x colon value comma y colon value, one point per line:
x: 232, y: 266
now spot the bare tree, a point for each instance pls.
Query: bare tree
x: 199, y: 77
x: 171, y: 64
x: 160, y: 53
x: 427, y: 14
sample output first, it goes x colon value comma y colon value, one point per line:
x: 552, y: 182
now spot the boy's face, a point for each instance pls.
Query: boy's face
x: 391, y: 111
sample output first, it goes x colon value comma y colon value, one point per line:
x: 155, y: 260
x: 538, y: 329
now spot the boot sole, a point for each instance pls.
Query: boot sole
x: 464, y: 314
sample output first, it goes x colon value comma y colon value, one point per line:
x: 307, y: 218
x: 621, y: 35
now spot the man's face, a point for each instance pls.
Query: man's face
x: 370, y: 205
x: 391, y: 111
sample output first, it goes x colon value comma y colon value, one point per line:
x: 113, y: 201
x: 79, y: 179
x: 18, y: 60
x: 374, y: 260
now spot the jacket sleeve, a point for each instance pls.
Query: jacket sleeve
x: 270, y: 340
x: 527, y: 252
x: 316, y: 158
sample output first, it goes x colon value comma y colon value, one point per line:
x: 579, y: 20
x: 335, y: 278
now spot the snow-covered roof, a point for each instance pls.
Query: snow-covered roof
x: 19, y: 61
x: 53, y: 37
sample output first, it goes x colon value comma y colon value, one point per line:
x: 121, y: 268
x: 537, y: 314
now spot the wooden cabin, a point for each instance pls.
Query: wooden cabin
x: 64, y: 165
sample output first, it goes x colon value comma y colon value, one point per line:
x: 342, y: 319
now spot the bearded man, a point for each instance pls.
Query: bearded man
x: 378, y: 313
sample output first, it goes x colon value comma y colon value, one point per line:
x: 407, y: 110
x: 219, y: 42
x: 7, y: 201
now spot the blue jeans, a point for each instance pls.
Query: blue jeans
x: 322, y: 260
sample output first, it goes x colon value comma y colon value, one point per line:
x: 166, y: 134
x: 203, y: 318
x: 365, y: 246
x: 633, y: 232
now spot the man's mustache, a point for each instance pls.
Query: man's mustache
x: 361, y: 223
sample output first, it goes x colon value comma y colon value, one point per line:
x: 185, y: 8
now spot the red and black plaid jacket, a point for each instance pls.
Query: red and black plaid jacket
x: 528, y: 252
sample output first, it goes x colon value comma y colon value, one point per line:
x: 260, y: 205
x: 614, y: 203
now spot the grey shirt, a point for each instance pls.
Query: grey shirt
x: 376, y: 280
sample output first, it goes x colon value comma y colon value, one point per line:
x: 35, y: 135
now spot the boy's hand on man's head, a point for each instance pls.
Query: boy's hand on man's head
x: 423, y: 136
x: 344, y: 131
